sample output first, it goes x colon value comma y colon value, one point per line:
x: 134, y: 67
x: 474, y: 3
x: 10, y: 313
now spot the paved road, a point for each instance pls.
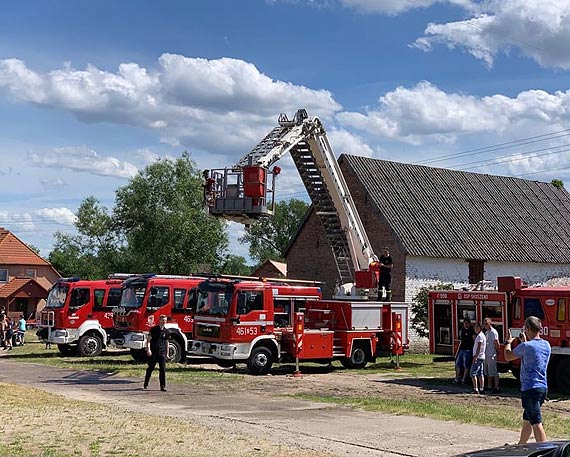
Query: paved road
x: 321, y: 427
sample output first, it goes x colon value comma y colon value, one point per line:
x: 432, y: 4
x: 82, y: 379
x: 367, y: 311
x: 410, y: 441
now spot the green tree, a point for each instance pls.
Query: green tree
x: 269, y: 237
x: 557, y: 183
x: 157, y: 225
x: 235, y: 265
x: 161, y: 217
x: 419, y: 320
x: 95, y: 250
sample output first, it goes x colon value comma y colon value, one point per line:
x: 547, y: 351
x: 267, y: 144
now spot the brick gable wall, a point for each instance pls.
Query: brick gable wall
x: 310, y: 256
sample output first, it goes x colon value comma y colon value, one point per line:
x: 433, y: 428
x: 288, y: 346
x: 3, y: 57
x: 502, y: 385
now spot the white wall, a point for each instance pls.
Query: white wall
x: 427, y: 271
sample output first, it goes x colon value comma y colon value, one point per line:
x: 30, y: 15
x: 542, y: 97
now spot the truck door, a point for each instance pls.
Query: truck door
x: 79, y: 307
x: 252, y: 314
x: 184, y: 308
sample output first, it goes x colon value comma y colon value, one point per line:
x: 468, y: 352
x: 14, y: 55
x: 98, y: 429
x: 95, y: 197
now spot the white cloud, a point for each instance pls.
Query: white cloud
x: 388, y: 7
x: 425, y: 112
x: 539, y: 28
x: 187, y: 100
x: 344, y: 142
x: 53, y: 184
x: 62, y: 215
x: 22, y: 221
x: 83, y: 159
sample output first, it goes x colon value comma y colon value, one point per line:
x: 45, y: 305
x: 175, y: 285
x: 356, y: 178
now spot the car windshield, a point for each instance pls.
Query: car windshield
x: 214, y: 299
x: 57, y: 295
x: 132, y: 297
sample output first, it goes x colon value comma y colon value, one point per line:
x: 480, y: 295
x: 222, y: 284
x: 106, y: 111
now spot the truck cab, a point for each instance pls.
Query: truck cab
x: 78, y: 315
x: 243, y: 320
x: 143, y: 299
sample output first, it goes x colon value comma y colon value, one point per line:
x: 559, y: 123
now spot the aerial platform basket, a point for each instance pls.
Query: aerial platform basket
x: 241, y: 194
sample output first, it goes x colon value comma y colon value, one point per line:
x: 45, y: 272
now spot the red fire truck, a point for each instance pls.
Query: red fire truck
x: 78, y: 315
x: 508, y: 307
x: 144, y: 298
x: 262, y: 322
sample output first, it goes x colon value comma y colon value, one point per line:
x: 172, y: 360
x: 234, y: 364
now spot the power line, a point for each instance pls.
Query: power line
x: 497, y: 147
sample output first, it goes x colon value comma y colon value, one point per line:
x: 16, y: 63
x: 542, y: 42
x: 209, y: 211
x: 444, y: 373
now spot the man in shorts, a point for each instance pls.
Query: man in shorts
x: 463, y: 355
x: 534, y: 353
x: 478, y: 359
x: 491, y: 351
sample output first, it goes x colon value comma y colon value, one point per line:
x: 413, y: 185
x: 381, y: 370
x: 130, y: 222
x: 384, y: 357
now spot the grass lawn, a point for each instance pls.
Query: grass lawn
x: 414, y: 368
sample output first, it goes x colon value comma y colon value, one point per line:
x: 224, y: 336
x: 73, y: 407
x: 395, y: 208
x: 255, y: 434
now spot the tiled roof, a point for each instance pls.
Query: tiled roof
x: 437, y: 212
x: 15, y: 285
x: 13, y: 251
x: 280, y: 266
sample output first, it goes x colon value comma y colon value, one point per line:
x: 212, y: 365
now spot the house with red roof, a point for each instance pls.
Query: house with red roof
x: 25, y: 277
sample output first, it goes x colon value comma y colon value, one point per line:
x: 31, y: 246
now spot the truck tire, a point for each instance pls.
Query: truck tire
x: 175, y: 354
x: 260, y: 361
x: 358, y: 358
x: 67, y: 350
x: 139, y: 355
x: 563, y: 375
x: 90, y: 345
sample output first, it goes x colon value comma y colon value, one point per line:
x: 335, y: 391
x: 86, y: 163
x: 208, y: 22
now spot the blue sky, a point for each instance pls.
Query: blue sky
x: 91, y: 92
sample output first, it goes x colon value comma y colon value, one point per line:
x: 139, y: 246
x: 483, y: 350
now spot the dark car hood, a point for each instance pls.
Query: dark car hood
x: 546, y: 449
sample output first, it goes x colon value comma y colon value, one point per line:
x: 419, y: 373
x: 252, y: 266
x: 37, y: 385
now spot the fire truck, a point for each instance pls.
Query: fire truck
x: 508, y: 306
x: 144, y: 298
x: 78, y: 315
x: 280, y: 320
x: 353, y: 330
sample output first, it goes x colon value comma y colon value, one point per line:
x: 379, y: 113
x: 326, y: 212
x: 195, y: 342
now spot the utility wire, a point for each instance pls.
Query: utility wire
x: 497, y: 147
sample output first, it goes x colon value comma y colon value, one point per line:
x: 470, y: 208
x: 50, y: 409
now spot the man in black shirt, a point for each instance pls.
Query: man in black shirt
x: 385, y: 280
x: 157, y: 351
x: 464, y: 354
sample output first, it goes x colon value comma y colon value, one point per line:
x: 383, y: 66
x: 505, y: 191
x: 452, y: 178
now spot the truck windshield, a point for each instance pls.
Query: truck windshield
x: 214, y: 299
x: 132, y: 297
x: 57, y: 295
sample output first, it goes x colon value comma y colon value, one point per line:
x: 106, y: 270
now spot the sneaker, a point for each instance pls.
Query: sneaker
x: 145, y: 386
x: 163, y: 389
x: 456, y: 381
x: 463, y: 381
x: 475, y: 391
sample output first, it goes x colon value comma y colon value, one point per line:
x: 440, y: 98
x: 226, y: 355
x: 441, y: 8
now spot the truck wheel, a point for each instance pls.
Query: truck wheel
x: 357, y: 360
x: 260, y: 361
x: 90, y: 345
x: 139, y: 355
x: 67, y: 350
x: 175, y: 354
x: 563, y: 375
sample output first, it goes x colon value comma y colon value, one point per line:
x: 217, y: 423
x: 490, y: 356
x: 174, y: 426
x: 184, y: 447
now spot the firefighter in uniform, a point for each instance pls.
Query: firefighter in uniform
x: 157, y: 352
x: 385, y: 280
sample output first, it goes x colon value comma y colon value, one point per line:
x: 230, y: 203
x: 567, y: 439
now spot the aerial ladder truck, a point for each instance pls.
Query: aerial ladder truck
x: 245, y: 193
x: 345, y: 328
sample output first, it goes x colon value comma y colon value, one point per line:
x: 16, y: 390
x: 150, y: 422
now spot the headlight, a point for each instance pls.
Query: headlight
x: 137, y: 337
x: 226, y: 348
x: 60, y: 333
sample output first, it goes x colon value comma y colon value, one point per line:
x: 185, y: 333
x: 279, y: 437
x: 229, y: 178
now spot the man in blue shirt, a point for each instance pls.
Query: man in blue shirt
x: 534, y: 353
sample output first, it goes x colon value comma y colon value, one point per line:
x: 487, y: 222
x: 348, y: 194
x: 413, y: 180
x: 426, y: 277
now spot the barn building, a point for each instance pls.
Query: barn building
x: 444, y: 226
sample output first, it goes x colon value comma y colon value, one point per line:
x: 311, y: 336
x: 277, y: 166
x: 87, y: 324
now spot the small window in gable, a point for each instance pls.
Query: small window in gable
x: 476, y: 271
x: 30, y: 273
x: 3, y: 275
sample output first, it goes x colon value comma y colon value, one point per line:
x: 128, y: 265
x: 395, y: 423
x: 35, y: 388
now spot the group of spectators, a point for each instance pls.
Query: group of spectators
x: 477, y: 357
x: 12, y: 332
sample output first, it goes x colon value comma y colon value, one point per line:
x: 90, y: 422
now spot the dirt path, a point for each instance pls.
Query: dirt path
x: 285, y: 421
